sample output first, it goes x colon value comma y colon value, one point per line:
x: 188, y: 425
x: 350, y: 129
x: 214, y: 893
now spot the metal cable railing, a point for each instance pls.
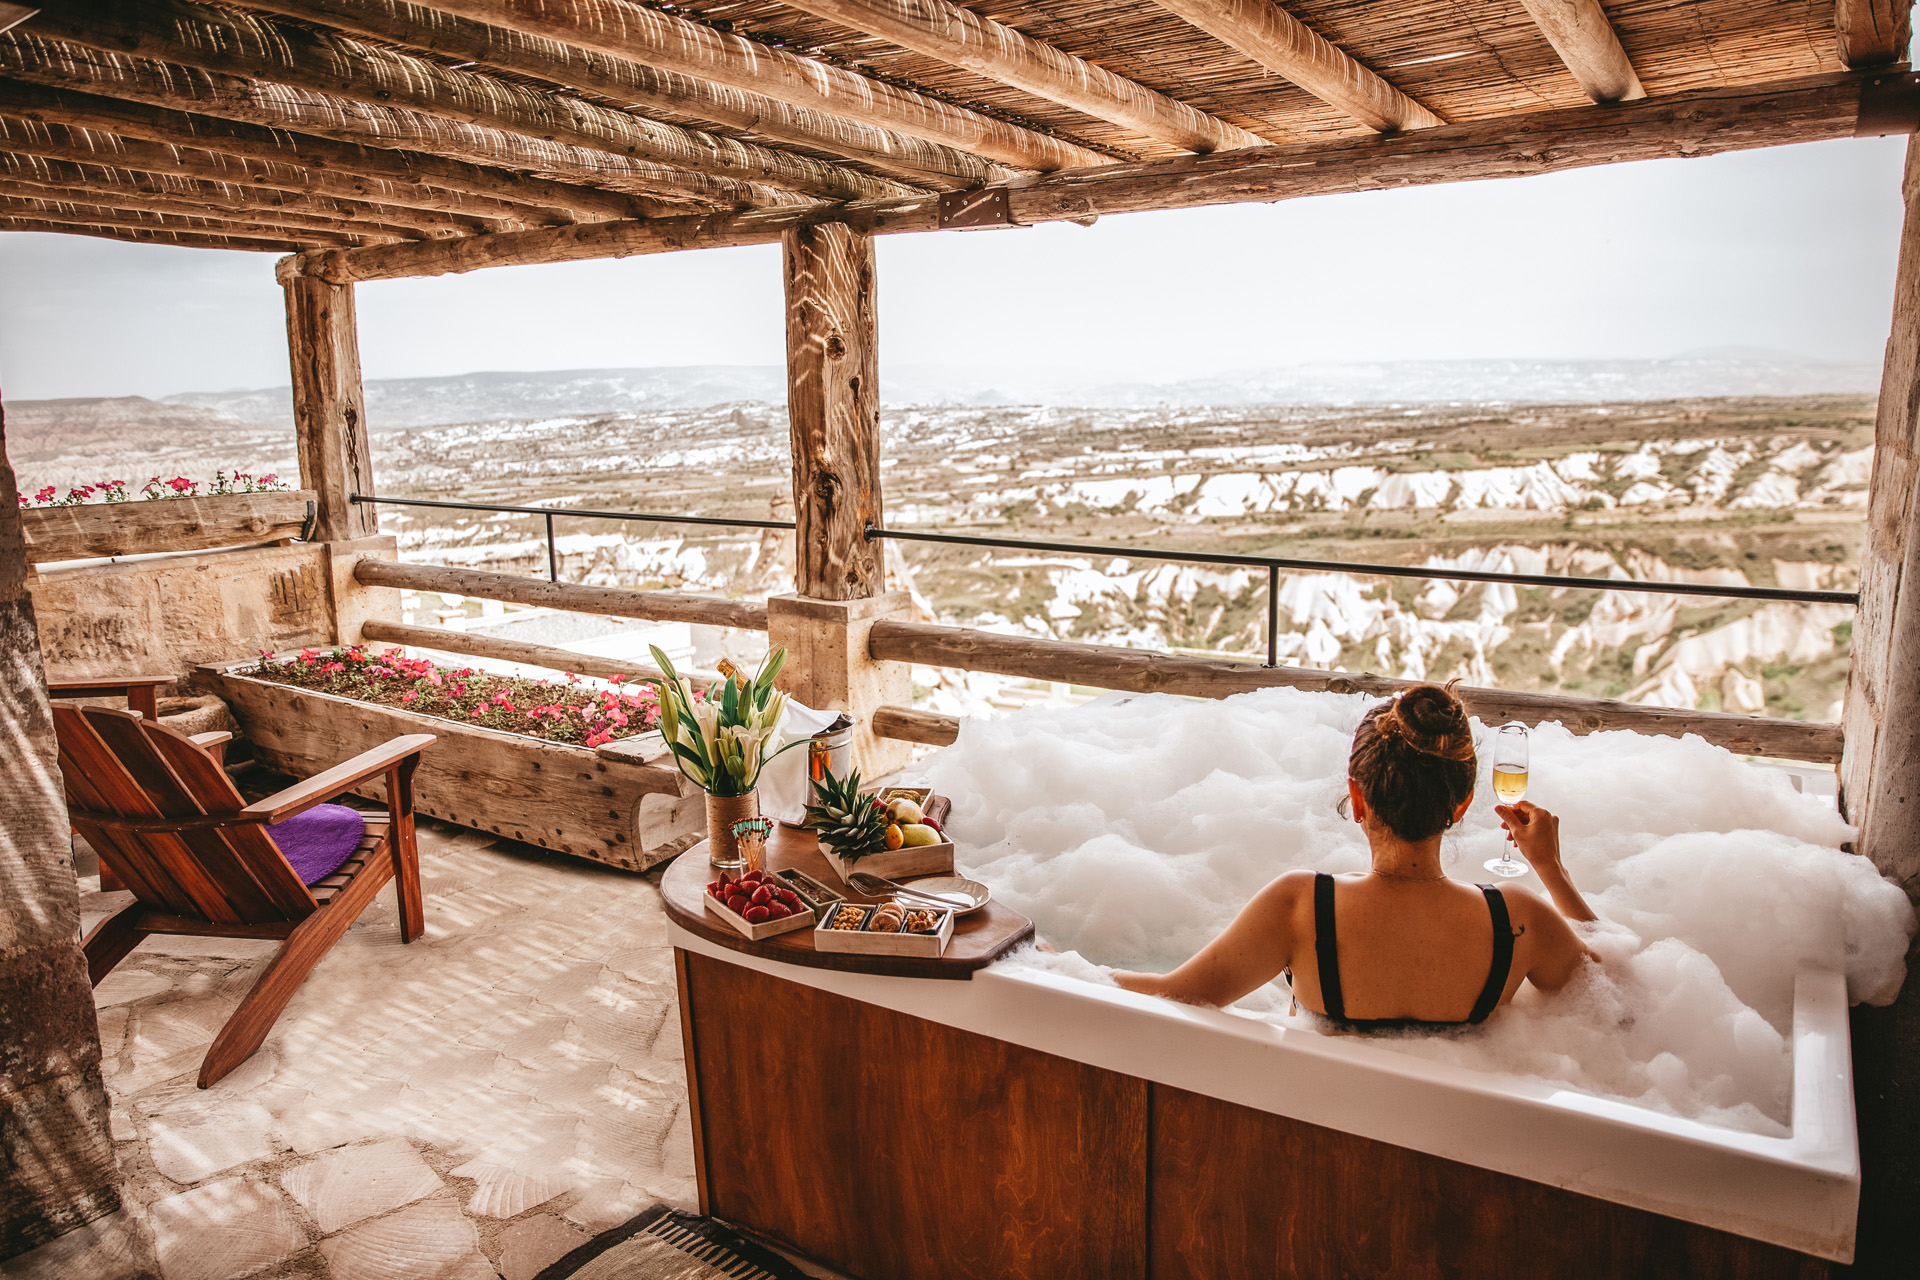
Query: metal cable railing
x: 1272, y: 564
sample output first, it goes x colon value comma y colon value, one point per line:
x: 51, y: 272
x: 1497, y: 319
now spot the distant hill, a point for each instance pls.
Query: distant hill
x: 41, y: 429
x: 416, y: 402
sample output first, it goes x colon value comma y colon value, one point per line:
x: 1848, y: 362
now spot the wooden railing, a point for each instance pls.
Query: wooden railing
x: 616, y: 602
x: 1035, y: 658
x: 1149, y: 671
x: 467, y: 643
x: 139, y: 527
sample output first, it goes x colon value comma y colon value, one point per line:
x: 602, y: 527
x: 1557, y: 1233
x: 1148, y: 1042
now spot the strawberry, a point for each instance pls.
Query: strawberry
x: 762, y: 895
x: 787, y: 897
x: 776, y: 912
x: 757, y: 915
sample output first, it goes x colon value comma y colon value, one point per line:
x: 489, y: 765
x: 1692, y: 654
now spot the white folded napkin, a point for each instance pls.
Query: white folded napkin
x: 784, y: 791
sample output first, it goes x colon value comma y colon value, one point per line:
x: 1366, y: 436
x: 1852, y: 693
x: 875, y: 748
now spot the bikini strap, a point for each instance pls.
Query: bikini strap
x: 1502, y: 956
x: 1326, y: 946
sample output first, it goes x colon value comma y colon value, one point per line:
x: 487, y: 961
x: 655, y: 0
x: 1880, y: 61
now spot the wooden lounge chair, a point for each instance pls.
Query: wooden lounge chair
x: 163, y: 814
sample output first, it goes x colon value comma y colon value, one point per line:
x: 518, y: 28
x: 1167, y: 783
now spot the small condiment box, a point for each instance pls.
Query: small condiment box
x: 820, y: 897
x: 801, y: 919
x: 932, y: 942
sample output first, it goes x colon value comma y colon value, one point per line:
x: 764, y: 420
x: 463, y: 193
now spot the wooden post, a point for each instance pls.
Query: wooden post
x: 833, y: 410
x: 1880, y: 770
x: 329, y: 417
x: 57, y: 1169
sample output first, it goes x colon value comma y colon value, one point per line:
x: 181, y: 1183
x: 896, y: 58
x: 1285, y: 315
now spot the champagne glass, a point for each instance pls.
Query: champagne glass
x: 1510, y: 786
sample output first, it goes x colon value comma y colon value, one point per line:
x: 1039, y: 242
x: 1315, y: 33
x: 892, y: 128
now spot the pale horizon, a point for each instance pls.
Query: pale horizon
x: 1789, y: 249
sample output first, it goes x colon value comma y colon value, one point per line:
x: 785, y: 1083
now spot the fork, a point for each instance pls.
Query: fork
x: 874, y: 886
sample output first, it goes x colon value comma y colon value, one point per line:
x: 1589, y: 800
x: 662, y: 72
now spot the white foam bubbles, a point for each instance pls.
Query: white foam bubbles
x: 1132, y: 833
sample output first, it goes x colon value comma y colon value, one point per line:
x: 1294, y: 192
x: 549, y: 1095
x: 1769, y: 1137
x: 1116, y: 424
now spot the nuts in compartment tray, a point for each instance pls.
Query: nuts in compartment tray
x: 848, y: 918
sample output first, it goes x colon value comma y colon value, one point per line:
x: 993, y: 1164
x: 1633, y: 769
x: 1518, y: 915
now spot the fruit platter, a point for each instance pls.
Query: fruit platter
x: 886, y: 928
x: 758, y: 905
x: 894, y: 832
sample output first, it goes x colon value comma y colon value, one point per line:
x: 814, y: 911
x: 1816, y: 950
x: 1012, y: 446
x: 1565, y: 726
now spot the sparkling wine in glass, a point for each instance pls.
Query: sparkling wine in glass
x: 1510, y: 785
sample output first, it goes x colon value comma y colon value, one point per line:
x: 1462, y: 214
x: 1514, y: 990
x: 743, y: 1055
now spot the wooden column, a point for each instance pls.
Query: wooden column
x: 329, y: 415
x: 1880, y: 770
x: 57, y: 1169
x: 833, y: 410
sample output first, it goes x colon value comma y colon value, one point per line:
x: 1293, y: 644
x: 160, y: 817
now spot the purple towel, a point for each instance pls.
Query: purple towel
x: 318, y: 841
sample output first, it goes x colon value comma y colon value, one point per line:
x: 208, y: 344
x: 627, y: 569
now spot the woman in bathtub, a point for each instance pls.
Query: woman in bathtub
x: 1400, y: 944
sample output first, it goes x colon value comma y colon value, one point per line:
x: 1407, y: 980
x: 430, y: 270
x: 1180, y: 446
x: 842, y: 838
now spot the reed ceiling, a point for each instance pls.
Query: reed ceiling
x: 305, y: 124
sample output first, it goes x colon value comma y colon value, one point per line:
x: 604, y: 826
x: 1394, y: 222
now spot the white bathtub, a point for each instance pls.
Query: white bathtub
x: 1800, y: 1191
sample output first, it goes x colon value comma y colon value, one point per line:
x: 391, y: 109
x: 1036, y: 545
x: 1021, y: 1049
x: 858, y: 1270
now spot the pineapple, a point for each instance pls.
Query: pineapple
x: 849, y: 824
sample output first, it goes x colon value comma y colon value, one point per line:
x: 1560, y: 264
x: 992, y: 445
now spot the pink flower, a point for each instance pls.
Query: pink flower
x: 433, y: 678
x: 332, y: 667
x: 406, y: 699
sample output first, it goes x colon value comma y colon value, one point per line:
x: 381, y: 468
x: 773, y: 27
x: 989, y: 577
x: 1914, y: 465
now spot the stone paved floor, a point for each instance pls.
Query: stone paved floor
x: 468, y: 1106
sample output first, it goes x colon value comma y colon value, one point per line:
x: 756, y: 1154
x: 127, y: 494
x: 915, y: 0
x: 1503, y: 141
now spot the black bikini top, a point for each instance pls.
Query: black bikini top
x: 1326, y: 948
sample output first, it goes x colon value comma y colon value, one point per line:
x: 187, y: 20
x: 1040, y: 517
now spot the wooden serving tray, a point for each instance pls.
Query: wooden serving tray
x: 801, y: 919
x: 978, y: 939
x: 866, y: 942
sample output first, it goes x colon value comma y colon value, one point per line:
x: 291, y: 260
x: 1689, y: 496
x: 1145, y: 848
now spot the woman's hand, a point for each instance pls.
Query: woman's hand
x: 1536, y: 833
x: 1533, y: 830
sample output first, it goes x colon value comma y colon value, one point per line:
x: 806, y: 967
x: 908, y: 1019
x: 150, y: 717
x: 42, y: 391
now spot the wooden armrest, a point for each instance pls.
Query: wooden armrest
x: 322, y: 787
x: 213, y: 739
x: 107, y: 684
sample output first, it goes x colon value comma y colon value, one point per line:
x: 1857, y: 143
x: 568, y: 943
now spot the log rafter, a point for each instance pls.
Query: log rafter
x: 253, y: 241
x: 988, y: 48
x: 149, y: 197
x: 1582, y: 34
x: 114, y: 109
x: 649, y: 88
x: 1704, y: 122
x: 221, y: 42
x: 1872, y: 33
x: 432, y: 206
x: 675, y: 44
x: 274, y: 105
x: 108, y: 215
x: 1288, y: 47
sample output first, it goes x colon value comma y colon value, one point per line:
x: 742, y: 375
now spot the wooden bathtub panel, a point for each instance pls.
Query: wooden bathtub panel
x: 1239, y: 1192
x: 890, y: 1146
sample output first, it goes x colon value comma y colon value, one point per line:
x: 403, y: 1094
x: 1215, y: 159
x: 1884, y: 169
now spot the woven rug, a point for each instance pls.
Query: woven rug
x: 662, y: 1244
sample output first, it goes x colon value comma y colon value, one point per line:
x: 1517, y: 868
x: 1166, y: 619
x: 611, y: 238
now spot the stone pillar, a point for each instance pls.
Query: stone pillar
x: 1880, y: 771
x: 329, y: 408
x: 833, y: 407
x: 57, y: 1168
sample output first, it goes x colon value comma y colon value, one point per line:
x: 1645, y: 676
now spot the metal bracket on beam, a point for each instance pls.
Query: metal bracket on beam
x: 976, y: 210
x: 1889, y: 104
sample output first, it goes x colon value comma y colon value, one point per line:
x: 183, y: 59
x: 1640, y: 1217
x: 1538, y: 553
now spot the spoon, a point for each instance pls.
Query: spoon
x: 874, y: 886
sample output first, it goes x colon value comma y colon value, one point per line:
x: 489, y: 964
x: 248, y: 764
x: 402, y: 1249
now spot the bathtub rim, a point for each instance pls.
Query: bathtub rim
x: 1801, y: 1191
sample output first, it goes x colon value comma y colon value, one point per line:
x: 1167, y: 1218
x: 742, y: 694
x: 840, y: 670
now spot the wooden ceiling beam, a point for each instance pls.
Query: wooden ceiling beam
x: 1288, y: 47
x: 669, y: 43
x: 181, y: 239
x: 269, y: 104
x: 1582, y: 34
x: 1704, y: 122
x: 991, y: 49
x: 26, y: 178
x: 430, y: 206
x: 126, y: 104
x: 1873, y: 33
x: 221, y: 42
x: 96, y: 215
x: 648, y: 88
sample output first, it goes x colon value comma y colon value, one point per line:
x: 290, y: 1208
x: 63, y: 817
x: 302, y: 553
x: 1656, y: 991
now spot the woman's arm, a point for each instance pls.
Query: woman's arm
x: 1536, y: 833
x: 1248, y: 953
x: 1557, y: 950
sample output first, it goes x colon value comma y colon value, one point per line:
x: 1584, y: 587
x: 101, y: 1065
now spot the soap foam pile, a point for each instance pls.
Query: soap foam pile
x: 1133, y: 833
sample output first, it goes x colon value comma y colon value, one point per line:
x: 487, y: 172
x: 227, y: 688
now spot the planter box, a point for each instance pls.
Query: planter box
x: 140, y: 527
x: 623, y: 804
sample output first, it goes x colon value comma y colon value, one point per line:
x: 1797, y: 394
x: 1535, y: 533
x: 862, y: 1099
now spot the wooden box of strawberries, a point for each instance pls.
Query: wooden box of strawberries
x: 758, y: 906
x: 895, y: 832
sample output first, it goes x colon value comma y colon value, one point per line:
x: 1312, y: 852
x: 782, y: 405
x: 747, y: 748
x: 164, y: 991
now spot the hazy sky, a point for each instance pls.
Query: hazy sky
x: 1791, y: 248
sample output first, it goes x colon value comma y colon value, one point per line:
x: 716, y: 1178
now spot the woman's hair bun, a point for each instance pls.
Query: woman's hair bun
x: 1432, y: 719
